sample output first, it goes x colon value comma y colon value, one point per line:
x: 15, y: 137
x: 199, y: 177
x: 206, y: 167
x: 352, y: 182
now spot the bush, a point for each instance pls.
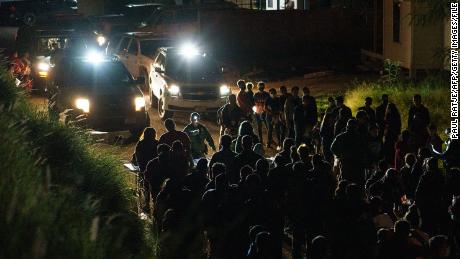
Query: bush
x: 434, y: 91
x: 59, y: 197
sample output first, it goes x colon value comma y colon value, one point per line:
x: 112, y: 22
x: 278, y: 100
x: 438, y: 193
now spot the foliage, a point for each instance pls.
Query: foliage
x: 434, y: 91
x: 59, y: 197
x: 435, y: 11
x: 392, y: 71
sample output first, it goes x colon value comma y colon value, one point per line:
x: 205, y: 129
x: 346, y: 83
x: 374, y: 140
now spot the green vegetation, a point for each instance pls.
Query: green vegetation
x: 434, y: 91
x: 59, y: 196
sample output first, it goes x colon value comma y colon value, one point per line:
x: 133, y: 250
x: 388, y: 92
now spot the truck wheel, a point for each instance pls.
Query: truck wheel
x: 29, y: 18
x: 164, y: 114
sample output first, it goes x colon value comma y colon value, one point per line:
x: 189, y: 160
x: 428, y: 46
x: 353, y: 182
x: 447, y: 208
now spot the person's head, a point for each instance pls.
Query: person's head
x: 170, y: 125
x: 272, y: 92
x: 431, y: 164
x: 320, y: 248
x: 241, y: 85
x: 295, y: 91
x: 288, y: 143
x: 305, y: 101
x: 263, y: 244
x: 410, y: 159
x: 402, y: 228
x: 162, y: 148
x: 306, y: 90
x: 385, y: 98
x: 374, y: 130
x: 245, y: 129
x: 253, y: 182
x: 433, y: 129
x: 245, y: 171
x: 279, y: 161
x: 254, y: 230
x: 391, y: 109
x: 225, y: 141
x: 202, y: 165
x: 283, y: 90
x: 417, y: 99
x: 246, y: 143
x: 383, y: 235
x: 344, y: 113
x: 339, y: 100
x: 217, y: 169
x: 439, y: 246
x: 340, y: 191
x: 262, y: 167
x: 261, y: 86
x: 368, y: 101
x: 195, y: 118
x: 177, y: 147
x: 258, y: 149
x: 249, y: 86
x: 391, y: 174
x: 232, y: 99
x: 352, y: 125
x: 361, y: 117
x: 405, y: 135
x: 148, y: 134
x: 302, y: 150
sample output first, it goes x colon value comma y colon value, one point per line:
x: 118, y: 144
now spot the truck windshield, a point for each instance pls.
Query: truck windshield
x: 85, y: 74
x: 48, y: 45
x: 194, y: 69
x: 150, y: 46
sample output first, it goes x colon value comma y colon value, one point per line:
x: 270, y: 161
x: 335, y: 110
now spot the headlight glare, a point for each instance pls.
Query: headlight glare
x: 140, y: 103
x: 43, y: 67
x: 224, y: 90
x: 174, y: 90
x: 82, y: 104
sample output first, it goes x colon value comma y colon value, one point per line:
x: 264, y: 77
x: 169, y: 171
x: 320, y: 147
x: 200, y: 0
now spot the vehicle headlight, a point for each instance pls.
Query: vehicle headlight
x: 82, y: 104
x: 42, y: 66
x: 174, y: 90
x: 140, y: 103
x: 101, y: 40
x: 224, y: 90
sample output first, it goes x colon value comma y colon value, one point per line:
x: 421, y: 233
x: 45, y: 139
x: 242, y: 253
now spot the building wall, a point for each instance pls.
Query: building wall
x: 398, y: 51
x: 428, y: 42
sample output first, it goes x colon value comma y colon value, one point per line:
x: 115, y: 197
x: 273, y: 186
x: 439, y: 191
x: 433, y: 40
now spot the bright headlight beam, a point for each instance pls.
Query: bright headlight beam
x: 140, y: 103
x: 101, y: 40
x: 174, y: 90
x: 42, y: 66
x: 189, y: 50
x: 224, y: 90
x: 94, y: 57
x: 82, y: 104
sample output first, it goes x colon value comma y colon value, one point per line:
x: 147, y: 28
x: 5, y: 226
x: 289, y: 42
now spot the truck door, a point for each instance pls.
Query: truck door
x: 157, y: 79
x: 132, y: 63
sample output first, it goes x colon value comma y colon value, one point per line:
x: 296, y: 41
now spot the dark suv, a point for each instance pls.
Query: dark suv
x: 101, y: 93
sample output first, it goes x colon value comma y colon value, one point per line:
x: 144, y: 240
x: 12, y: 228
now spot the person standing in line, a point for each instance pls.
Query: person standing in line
x: 260, y: 99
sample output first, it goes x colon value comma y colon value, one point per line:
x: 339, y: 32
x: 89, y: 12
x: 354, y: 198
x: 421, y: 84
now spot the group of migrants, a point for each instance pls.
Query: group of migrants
x: 339, y: 187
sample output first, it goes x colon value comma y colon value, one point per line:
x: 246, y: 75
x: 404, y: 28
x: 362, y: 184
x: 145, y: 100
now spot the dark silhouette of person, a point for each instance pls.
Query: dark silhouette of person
x: 341, y: 121
x: 157, y: 170
x: 327, y: 135
x: 305, y: 118
x: 247, y: 156
x: 225, y: 156
x: 351, y: 150
x: 146, y: 148
x: 172, y: 135
x: 368, y: 109
x: 380, y: 112
x: 402, y: 147
x: 245, y: 129
x: 418, y: 121
x: 392, y: 131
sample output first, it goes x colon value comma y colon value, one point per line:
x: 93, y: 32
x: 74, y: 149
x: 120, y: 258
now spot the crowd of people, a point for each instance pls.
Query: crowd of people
x: 340, y: 186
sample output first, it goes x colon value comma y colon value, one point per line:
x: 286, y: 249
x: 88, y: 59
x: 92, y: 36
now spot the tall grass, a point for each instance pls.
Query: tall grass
x: 434, y: 91
x: 59, y: 197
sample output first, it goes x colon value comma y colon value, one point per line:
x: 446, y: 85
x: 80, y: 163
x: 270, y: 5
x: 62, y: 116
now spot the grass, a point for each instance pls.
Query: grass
x: 60, y: 197
x: 434, y: 90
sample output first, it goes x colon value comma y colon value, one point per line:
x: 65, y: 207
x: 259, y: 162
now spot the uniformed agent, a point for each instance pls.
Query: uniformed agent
x: 198, y: 133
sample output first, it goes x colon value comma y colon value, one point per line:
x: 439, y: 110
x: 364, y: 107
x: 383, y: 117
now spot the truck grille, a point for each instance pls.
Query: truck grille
x: 199, y: 93
x: 112, y: 104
